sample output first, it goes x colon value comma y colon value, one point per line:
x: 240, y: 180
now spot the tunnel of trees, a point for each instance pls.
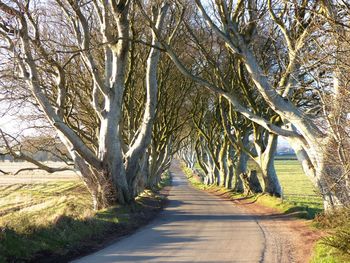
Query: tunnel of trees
x: 118, y: 88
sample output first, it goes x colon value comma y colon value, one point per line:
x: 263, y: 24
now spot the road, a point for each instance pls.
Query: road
x: 194, y: 227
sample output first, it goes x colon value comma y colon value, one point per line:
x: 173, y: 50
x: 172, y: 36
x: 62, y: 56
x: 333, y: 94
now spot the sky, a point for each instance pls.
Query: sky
x: 9, y: 124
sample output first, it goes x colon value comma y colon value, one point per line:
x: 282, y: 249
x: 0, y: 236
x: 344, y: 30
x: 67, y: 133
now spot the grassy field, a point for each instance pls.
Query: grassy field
x: 286, y: 157
x: 35, y: 176
x: 297, y: 188
x: 299, y: 194
x: 40, y: 218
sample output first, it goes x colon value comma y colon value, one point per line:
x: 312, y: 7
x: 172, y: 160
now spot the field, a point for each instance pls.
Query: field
x: 35, y: 176
x: 44, y: 213
x: 298, y: 191
x: 37, y: 190
x: 296, y: 187
x: 31, y: 203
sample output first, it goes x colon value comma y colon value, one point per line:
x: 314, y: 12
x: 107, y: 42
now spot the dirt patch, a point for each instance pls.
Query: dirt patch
x: 288, y: 239
x: 150, y: 208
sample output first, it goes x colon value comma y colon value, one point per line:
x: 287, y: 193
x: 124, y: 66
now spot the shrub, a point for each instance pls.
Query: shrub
x: 338, y: 225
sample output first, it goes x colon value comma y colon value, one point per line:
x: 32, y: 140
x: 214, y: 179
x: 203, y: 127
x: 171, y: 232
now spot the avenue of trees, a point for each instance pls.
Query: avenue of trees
x: 124, y: 85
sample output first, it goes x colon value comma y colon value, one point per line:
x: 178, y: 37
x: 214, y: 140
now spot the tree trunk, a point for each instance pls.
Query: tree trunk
x: 251, y: 182
x: 241, y: 168
x: 200, y: 158
x: 159, y: 163
x: 230, y: 167
x: 222, y: 164
x: 266, y: 162
x: 144, y: 136
x: 110, y: 153
x: 188, y: 155
x: 254, y: 183
x: 142, y: 177
x: 271, y: 182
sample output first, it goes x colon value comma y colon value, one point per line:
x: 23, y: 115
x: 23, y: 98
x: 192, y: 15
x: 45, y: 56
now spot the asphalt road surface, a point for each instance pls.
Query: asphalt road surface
x: 194, y: 227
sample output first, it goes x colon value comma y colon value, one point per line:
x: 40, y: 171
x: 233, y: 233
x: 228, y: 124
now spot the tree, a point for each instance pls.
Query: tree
x: 94, y: 36
x: 238, y: 25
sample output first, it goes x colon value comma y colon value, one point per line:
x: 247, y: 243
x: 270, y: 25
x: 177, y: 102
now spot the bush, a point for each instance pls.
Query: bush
x: 333, y: 220
x: 338, y: 225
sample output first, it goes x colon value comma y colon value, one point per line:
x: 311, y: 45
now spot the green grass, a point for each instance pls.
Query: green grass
x: 298, y: 191
x: 49, y: 217
x: 335, y: 247
x: 194, y: 180
x: 57, y: 217
x: 286, y: 157
x: 326, y: 254
x: 299, y: 194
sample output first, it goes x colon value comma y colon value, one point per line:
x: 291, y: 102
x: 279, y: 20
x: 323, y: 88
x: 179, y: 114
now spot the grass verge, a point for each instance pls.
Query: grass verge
x: 302, y: 207
x: 326, y: 254
x: 334, y: 247
x: 55, y: 222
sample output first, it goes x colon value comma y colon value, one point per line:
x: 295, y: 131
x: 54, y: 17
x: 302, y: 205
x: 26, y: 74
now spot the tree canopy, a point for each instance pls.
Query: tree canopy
x: 121, y: 87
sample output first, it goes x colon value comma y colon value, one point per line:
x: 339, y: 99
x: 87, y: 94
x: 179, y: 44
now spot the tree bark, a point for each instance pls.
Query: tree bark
x: 144, y: 137
x: 265, y: 160
x: 230, y: 155
x: 241, y: 168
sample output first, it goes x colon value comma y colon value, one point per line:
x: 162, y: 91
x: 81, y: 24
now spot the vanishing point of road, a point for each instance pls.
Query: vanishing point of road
x: 194, y: 227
